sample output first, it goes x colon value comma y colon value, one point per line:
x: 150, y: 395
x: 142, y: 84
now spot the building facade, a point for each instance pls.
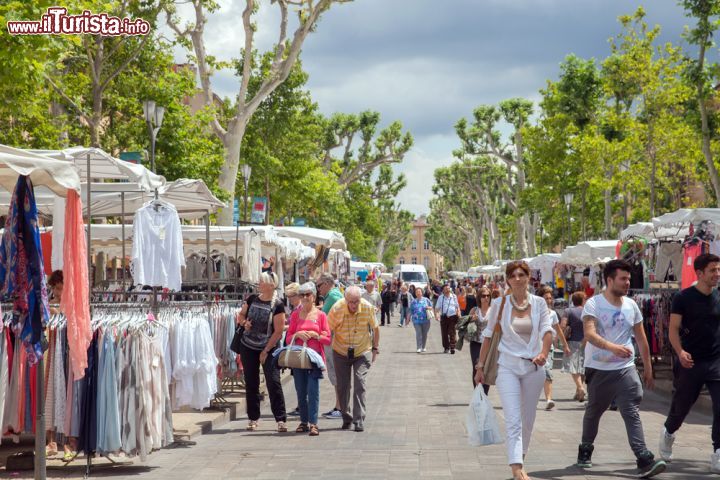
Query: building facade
x: 419, y: 252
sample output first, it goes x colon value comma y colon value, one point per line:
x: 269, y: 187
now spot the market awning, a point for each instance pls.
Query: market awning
x: 648, y: 230
x: 544, y: 260
x: 104, y: 166
x: 589, y: 253
x: 43, y: 171
x: 317, y: 236
x: 687, y: 216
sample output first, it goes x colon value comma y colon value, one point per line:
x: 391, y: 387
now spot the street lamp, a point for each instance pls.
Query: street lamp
x: 541, y: 237
x: 154, y: 118
x: 246, y: 171
x: 568, y: 201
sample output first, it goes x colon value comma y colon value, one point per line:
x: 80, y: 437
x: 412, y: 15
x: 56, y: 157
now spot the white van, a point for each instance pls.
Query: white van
x: 411, y: 275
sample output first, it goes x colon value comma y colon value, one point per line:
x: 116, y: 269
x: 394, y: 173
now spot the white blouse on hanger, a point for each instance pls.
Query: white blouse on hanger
x: 157, y: 253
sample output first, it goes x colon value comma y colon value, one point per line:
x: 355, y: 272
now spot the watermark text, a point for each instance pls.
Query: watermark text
x: 57, y: 22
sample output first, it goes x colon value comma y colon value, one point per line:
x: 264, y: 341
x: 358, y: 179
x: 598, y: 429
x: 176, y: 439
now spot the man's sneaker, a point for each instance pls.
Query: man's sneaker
x: 715, y: 461
x: 424, y: 350
x: 419, y: 350
x: 333, y: 414
x: 648, y: 466
x: 295, y: 412
x: 585, y: 451
x: 452, y: 351
x: 666, y: 444
x: 550, y: 404
x: 447, y: 350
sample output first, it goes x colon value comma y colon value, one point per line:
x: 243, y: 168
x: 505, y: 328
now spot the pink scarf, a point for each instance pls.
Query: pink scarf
x: 75, y: 301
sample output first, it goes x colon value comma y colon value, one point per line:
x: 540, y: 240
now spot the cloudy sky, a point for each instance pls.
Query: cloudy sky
x: 428, y: 63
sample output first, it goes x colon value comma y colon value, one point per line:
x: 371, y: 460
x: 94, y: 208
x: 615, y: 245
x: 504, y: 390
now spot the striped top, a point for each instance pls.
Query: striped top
x: 352, y: 329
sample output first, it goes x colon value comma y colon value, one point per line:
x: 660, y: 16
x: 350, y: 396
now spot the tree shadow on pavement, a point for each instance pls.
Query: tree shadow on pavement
x: 572, y: 470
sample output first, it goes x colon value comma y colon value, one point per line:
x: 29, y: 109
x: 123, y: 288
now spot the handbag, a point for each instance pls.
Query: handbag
x: 290, y: 358
x: 430, y: 312
x: 237, y: 338
x: 490, y: 369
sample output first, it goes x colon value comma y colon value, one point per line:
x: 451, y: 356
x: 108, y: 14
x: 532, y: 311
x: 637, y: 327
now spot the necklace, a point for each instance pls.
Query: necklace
x: 520, y: 308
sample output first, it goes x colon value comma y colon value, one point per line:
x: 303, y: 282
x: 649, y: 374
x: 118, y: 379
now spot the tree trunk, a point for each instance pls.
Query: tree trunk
x: 381, y: 249
x: 712, y: 170
x: 229, y: 170
x: 608, y: 212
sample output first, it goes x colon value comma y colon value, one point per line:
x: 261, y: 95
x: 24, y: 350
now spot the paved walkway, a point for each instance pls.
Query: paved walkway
x: 415, y: 428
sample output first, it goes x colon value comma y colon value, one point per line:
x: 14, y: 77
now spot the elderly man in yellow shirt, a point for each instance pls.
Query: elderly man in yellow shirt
x: 356, y: 337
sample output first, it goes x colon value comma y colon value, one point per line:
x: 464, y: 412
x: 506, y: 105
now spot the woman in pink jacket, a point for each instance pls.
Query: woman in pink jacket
x: 308, y: 323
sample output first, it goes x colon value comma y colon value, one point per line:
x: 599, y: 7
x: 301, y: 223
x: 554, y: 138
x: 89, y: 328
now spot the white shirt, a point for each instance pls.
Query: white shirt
x: 373, y: 298
x: 448, y: 305
x: 514, y: 351
x: 614, y: 324
x: 157, y: 251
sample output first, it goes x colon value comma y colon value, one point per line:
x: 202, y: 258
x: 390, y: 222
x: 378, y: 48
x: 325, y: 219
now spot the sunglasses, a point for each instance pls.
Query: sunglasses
x: 484, y: 296
x: 306, y: 295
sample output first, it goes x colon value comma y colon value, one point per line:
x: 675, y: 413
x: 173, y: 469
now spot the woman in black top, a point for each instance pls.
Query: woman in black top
x: 470, y: 300
x: 263, y: 317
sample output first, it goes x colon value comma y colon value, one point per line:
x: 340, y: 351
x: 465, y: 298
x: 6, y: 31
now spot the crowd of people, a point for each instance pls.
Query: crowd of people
x: 599, y: 337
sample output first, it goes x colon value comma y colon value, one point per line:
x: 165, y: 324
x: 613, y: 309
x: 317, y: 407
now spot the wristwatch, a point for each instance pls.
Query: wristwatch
x: 375, y: 349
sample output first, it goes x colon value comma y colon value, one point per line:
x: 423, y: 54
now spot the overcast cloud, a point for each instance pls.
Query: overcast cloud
x: 429, y: 63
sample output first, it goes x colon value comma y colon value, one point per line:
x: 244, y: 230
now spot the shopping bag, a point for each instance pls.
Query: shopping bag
x: 481, y: 421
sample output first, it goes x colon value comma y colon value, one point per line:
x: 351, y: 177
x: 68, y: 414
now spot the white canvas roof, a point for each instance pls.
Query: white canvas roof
x: 687, y: 216
x: 543, y: 260
x: 589, y: 253
x: 328, y: 238
x: 648, y: 230
x: 191, y: 198
x: 104, y: 166
x: 43, y: 171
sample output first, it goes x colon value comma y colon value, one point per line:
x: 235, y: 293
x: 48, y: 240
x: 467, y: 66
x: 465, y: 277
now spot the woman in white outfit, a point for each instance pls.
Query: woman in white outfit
x: 527, y: 335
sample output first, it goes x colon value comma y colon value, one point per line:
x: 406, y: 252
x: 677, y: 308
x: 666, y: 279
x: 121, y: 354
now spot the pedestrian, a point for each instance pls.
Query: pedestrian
x: 326, y: 287
x: 448, y: 310
x: 387, y: 298
x: 610, y: 320
x: 471, y: 299
x: 293, y: 297
x: 462, y: 300
x: 436, y: 291
x: 309, y: 326
x: 547, y: 294
x: 404, y: 299
x: 373, y: 297
x: 480, y: 317
x: 263, y: 317
x: 695, y: 312
x: 356, y: 340
x: 573, y: 325
x: 418, y: 311
x: 524, y: 348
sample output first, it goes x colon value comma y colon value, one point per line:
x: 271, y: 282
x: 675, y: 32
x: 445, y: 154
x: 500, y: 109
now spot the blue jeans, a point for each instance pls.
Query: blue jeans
x: 421, y: 334
x: 307, y: 386
x: 404, y: 314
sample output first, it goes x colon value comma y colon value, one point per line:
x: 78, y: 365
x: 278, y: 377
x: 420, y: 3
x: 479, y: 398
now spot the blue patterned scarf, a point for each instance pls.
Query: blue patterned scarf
x: 22, y: 279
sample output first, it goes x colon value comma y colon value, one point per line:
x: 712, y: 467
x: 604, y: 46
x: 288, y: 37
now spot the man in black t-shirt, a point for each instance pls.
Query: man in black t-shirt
x: 695, y: 336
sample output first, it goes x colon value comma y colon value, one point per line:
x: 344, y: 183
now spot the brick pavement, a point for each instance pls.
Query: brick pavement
x: 415, y: 429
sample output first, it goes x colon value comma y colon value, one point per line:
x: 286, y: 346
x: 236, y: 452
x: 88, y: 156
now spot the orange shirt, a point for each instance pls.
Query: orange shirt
x: 462, y: 301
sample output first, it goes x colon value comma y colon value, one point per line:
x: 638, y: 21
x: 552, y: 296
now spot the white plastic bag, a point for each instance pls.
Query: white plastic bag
x: 481, y: 421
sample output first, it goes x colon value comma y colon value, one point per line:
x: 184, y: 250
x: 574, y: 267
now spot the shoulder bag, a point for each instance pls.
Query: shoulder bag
x: 430, y: 313
x: 490, y: 369
x: 290, y: 358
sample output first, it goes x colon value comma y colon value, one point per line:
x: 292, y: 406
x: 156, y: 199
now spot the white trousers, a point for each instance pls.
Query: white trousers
x: 519, y: 395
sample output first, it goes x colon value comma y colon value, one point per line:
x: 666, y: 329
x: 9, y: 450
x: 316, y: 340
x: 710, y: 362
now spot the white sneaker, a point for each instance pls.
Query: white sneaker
x: 419, y: 350
x: 715, y: 461
x: 424, y: 350
x: 550, y: 405
x: 666, y: 444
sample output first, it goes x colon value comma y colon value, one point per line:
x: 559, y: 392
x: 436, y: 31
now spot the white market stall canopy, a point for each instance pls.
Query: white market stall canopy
x: 687, y: 216
x: 103, y: 166
x: 191, y: 198
x: 589, y: 253
x: 544, y: 260
x: 648, y: 230
x: 329, y: 238
x: 57, y: 176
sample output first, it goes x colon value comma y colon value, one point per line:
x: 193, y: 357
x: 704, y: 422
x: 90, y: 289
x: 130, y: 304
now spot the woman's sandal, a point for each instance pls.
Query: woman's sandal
x: 252, y: 426
x: 314, y: 432
x: 302, y: 428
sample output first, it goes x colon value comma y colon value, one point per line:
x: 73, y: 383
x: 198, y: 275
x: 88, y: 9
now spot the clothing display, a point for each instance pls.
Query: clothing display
x: 157, y: 250
x: 252, y: 254
x: 669, y: 259
x: 22, y: 278
x: 690, y: 253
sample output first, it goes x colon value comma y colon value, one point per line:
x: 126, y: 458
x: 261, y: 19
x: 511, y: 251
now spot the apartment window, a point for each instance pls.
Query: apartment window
x: 414, y: 244
x: 426, y: 245
x: 402, y: 260
x: 426, y: 262
x: 414, y: 260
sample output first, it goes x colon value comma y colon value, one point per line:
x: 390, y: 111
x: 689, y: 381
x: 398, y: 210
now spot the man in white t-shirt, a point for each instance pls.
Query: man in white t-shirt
x: 373, y: 297
x: 610, y: 321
